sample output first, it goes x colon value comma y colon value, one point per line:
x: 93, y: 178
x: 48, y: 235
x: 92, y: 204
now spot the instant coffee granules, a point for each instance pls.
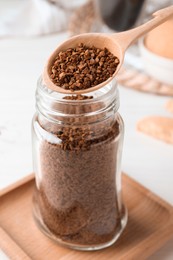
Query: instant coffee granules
x: 77, y: 196
x: 77, y: 144
x: 77, y: 97
x: 83, y: 67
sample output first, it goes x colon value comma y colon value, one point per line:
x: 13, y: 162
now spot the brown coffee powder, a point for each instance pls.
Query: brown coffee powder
x: 77, y: 197
x: 83, y: 67
x: 77, y: 97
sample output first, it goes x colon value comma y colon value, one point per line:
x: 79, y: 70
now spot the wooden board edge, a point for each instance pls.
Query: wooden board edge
x: 10, y: 248
x: 149, y: 246
x: 153, y: 196
x: 17, y: 184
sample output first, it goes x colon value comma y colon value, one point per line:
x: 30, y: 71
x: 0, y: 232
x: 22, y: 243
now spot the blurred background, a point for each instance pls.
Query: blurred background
x: 41, y: 17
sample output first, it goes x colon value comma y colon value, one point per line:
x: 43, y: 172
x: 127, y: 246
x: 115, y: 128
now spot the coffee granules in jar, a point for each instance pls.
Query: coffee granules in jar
x: 83, y: 67
x: 77, y: 97
x: 77, y: 145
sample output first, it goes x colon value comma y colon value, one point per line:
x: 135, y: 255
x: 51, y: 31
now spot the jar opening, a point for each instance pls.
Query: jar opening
x: 54, y: 105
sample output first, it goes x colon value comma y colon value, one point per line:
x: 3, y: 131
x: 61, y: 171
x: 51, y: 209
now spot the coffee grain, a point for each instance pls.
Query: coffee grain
x: 77, y: 198
x: 83, y: 67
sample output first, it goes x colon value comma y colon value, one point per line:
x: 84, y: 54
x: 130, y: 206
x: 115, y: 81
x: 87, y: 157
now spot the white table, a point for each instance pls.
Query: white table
x: 148, y: 161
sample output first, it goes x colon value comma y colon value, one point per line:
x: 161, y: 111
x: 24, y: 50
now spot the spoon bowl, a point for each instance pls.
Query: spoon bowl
x: 116, y: 43
x: 89, y: 39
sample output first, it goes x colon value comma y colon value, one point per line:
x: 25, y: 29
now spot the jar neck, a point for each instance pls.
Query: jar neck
x: 56, y: 107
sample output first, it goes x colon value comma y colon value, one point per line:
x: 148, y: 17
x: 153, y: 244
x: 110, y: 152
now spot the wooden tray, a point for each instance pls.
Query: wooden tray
x: 149, y: 226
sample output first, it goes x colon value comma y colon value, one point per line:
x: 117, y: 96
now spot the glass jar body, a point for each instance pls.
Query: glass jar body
x: 77, y: 157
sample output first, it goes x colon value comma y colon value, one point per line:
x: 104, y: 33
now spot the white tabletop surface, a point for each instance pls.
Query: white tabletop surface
x: 148, y: 161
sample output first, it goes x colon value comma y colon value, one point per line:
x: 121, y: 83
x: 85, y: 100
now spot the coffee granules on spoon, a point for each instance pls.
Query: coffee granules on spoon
x: 83, y: 67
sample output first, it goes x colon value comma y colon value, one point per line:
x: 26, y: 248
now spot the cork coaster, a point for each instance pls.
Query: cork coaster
x: 158, y: 127
x: 132, y: 78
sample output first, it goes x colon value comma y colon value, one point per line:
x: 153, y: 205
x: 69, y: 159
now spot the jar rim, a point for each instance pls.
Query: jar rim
x: 103, y: 93
x: 52, y: 105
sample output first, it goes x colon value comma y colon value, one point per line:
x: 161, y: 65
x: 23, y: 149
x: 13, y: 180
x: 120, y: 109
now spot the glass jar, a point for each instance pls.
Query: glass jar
x: 77, y: 147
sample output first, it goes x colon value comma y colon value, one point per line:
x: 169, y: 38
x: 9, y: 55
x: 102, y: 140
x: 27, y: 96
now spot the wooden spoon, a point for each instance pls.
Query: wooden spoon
x: 116, y: 43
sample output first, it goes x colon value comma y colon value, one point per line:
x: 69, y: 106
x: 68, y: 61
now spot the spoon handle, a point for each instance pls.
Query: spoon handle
x: 128, y: 37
